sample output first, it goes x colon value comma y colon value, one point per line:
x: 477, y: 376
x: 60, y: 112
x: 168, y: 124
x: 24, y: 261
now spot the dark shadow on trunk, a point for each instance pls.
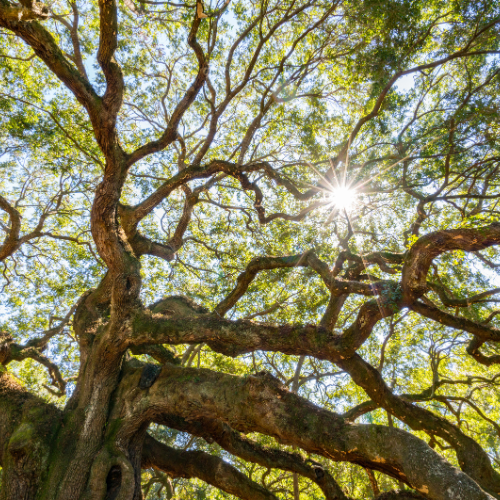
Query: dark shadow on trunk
x: 113, y: 482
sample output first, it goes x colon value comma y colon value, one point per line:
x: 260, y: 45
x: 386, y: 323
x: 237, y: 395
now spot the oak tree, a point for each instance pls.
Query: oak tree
x: 249, y: 249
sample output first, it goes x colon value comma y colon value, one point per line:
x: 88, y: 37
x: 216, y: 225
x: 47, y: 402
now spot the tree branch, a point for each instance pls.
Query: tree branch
x: 234, y: 338
x: 430, y: 246
x: 259, y: 403
x: 209, y: 468
x: 246, y: 449
x: 472, y: 458
x: 11, y: 242
x: 170, y: 133
x: 47, y: 49
x: 484, y: 332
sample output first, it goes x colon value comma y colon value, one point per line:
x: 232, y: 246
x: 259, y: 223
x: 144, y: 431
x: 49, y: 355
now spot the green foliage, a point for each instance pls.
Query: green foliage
x: 434, y: 143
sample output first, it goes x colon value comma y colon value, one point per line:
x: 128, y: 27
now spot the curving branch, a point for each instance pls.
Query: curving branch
x: 307, y: 259
x: 45, y: 47
x: 133, y: 215
x: 246, y: 449
x: 430, y: 246
x: 10, y: 351
x: 259, y: 403
x: 337, y: 286
x: 472, y: 458
x: 209, y: 468
x: 473, y: 349
x: 12, y: 241
x: 382, y: 259
x: 170, y: 133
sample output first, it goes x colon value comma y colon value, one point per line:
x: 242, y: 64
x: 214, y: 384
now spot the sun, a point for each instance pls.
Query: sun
x: 343, y: 198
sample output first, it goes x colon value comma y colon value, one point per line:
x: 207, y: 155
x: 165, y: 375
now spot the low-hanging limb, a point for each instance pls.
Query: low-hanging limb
x: 209, y: 468
x: 221, y: 334
x: 251, y: 451
x: 248, y: 450
x: 247, y: 336
x: 259, y: 403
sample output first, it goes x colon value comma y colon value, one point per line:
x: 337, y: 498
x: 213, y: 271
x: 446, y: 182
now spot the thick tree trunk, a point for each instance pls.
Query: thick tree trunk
x: 94, y: 449
x: 27, y: 429
x: 39, y: 447
x: 96, y: 452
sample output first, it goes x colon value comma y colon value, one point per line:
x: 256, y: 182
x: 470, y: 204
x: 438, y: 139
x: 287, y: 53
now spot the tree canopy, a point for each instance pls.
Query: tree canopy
x: 249, y: 249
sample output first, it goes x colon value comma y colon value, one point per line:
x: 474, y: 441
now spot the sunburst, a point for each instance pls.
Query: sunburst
x: 343, y: 197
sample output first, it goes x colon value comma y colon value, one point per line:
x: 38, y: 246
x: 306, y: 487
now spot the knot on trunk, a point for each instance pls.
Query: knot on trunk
x: 149, y: 375
x: 177, y: 305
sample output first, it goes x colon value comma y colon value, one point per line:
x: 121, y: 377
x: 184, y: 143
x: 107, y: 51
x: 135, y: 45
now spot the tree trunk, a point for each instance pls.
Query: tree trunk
x: 47, y: 454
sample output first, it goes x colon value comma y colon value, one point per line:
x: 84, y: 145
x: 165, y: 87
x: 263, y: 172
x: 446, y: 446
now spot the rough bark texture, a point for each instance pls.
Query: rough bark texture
x: 95, y: 447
